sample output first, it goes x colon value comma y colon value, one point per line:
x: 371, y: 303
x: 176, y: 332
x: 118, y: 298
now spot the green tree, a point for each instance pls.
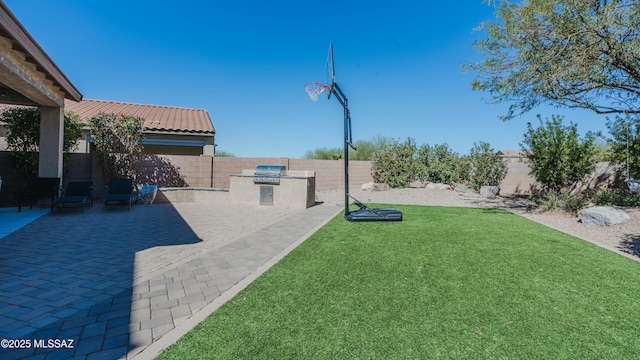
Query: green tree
x: 324, y: 154
x: 365, y: 149
x: 396, y: 165
x: 222, y: 153
x: 118, y: 142
x: 573, y: 53
x: 486, y: 167
x: 23, y: 138
x: 440, y: 164
x: 625, y: 144
x: 603, y: 150
x: 559, y: 159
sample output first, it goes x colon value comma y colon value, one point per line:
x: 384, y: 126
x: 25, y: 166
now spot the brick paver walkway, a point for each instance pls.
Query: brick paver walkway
x: 119, y: 284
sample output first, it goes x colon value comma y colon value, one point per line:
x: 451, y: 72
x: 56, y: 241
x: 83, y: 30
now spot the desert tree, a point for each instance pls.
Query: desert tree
x: 365, y: 149
x: 118, y: 143
x: 568, y: 53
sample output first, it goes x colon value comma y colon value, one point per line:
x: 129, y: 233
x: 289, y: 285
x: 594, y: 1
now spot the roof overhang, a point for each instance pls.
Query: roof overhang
x: 27, y: 75
x: 174, y: 142
x: 187, y: 133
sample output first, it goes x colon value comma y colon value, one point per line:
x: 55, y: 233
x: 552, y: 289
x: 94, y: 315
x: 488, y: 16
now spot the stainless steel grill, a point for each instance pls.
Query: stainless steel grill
x: 268, y: 174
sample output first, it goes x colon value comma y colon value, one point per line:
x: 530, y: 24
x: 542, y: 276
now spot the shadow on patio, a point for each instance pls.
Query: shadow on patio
x: 71, y: 276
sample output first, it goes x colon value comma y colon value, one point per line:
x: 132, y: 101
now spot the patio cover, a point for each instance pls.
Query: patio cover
x: 29, y: 77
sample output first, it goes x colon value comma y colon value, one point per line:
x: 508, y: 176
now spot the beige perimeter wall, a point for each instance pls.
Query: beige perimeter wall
x: 214, y: 172
x: 201, y: 171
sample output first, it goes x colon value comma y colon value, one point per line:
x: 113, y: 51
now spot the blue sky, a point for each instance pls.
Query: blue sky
x: 246, y: 62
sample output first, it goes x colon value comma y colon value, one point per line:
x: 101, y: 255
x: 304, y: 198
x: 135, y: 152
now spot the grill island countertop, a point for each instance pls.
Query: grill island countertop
x: 268, y: 174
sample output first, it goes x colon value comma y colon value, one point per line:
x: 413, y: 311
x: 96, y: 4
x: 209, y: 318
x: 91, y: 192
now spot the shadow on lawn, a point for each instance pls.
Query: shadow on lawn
x: 70, y: 277
x: 631, y: 244
x: 511, y: 202
x: 517, y: 202
x: 497, y: 211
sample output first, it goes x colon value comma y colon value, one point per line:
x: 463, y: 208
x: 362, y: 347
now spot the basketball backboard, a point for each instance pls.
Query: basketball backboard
x: 331, y: 74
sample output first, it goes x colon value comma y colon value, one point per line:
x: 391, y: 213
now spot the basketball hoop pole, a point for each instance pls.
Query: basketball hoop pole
x: 342, y: 99
x: 365, y: 213
x: 314, y: 89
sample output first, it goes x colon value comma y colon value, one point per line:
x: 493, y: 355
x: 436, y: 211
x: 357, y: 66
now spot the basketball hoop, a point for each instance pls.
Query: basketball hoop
x: 314, y: 89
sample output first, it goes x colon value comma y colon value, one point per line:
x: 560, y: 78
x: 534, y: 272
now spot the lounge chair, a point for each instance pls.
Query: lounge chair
x: 77, y: 193
x: 43, y: 187
x: 119, y: 191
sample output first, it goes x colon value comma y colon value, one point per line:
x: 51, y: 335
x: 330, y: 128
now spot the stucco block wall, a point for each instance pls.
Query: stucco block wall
x: 223, y: 167
x: 175, y: 170
x: 518, y: 180
x: 214, y: 172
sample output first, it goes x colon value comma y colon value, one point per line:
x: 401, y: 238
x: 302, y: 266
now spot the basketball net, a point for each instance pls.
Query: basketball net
x: 314, y: 89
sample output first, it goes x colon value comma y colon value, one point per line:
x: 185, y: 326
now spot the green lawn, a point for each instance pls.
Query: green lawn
x: 444, y: 283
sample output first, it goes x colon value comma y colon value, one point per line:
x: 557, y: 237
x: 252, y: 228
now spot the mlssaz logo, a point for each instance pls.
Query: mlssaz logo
x: 54, y: 344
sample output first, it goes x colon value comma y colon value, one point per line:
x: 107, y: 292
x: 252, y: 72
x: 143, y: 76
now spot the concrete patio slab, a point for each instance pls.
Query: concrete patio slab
x: 11, y: 220
x: 127, y: 284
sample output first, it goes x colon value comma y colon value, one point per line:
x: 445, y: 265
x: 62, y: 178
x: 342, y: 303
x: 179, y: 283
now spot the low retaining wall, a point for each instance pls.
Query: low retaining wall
x: 192, y: 195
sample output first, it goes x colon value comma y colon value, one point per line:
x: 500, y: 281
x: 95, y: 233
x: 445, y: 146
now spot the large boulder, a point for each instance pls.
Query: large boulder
x: 489, y: 192
x: 465, y: 190
x: 603, y: 216
x: 438, y: 186
x: 371, y: 186
x: 367, y: 186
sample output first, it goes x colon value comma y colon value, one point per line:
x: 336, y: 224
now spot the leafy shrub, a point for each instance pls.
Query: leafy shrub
x: 565, y: 202
x: 613, y: 197
x: 23, y: 138
x: 572, y: 203
x: 117, y: 139
x: 440, y: 164
x: 559, y: 159
x: 625, y: 144
x: 487, y: 168
x: 395, y: 165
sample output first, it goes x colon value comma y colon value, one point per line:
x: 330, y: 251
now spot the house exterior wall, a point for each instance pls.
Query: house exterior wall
x: 172, y: 150
x: 3, y: 140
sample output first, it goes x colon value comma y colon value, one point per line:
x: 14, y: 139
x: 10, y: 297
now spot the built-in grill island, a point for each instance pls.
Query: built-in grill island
x: 274, y: 185
x: 268, y: 174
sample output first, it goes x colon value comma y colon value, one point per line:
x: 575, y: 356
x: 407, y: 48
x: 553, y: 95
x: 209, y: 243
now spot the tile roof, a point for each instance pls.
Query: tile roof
x: 512, y: 153
x: 156, y: 117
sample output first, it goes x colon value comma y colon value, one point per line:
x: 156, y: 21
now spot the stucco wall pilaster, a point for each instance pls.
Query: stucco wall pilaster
x: 51, y: 135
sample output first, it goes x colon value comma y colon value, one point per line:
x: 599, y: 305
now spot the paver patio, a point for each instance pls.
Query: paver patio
x: 122, y: 284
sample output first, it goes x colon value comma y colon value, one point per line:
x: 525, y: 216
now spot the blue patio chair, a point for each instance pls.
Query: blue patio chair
x: 43, y: 187
x: 119, y: 191
x: 77, y: 194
